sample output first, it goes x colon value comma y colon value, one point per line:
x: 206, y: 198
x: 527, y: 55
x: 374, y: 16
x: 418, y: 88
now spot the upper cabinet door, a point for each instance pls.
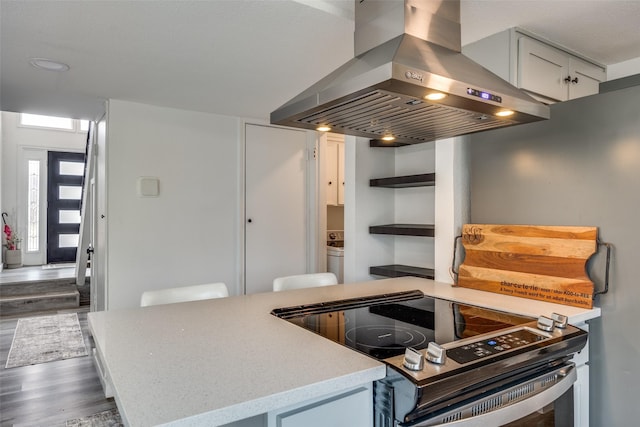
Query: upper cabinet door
x: 554, y: 74
x: 334, y: 166
x: 331, y: 165
x: 546, y: 70
x: 341, y: 173
x: 542, y: 69
x: 585, y: 78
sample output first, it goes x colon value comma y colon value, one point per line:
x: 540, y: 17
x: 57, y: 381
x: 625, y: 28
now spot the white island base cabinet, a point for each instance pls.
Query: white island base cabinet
x: 350, y: 408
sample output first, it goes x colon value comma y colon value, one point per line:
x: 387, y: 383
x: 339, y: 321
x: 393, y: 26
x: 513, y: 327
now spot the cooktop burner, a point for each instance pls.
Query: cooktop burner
x: 382, y: 341
x: 383, y: 326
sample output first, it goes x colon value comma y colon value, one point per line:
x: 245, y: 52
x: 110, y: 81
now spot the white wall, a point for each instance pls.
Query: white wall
x: 365, y: 206
x: 623, y: 69
x: 581, y: 167
x: 187, y: 235
x: 451, y: 201
x: 15, y: 140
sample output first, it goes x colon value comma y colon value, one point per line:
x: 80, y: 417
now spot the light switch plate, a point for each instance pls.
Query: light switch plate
x: 148, y: 186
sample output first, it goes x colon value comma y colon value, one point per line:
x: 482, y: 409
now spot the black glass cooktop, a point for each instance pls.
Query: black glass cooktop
x: 383, y: 326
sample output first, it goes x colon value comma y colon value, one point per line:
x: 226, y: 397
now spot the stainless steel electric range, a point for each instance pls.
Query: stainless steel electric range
x: 454, y: 363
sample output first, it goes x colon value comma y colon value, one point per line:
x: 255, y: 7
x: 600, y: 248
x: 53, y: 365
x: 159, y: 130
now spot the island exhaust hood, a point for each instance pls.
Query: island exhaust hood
x: 408, y: 82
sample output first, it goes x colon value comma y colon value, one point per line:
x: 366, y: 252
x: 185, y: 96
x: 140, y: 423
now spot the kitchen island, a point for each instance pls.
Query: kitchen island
x: 218, y: 361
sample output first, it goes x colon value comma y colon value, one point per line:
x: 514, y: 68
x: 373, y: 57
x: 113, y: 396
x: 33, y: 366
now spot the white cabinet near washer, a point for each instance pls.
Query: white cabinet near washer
x: 335, y: 170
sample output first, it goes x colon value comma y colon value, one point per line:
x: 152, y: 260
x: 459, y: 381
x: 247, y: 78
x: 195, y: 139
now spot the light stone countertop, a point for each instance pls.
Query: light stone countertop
x: 212, y: 362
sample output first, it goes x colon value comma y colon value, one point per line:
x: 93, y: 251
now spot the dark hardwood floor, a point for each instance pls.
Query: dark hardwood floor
x: 48, y: 394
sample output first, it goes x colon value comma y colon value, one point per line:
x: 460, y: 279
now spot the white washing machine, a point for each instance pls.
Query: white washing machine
x: 335, y: 262
x: 335, y: 253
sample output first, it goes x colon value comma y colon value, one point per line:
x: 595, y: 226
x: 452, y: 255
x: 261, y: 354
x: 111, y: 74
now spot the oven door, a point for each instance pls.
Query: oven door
x: 544, y: 400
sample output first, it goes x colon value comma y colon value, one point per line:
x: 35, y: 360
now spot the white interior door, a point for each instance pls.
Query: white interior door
x: 275, y: 205
x: 340, y: 181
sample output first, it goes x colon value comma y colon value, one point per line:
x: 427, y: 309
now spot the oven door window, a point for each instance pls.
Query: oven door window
x: 558, y: 413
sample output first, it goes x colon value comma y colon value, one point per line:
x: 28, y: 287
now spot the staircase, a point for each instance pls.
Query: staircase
x: 40, y: 295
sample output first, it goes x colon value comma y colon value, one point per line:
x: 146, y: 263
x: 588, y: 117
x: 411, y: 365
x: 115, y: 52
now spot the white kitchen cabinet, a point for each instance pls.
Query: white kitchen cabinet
x: 335, y: 170
x: 341, y: 173
x: 581, y: 386
x: 555, y: 74
x: 549, y: 72
x: 352, y: 408
x: 103, y: 376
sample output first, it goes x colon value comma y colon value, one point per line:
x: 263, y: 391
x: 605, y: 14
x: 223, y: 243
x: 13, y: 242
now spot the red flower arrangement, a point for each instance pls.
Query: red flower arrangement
x: 11, y: 239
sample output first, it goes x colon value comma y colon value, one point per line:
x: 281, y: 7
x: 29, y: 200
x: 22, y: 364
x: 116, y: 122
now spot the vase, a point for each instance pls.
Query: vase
x: 13, y: 258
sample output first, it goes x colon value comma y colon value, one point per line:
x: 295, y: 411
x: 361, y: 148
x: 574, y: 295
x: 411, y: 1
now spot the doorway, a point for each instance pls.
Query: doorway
x: 65, y: 173
x: 331, y: 196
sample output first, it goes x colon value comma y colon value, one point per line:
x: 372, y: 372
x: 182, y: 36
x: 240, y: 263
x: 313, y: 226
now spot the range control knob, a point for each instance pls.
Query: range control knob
x: 413, y: 359
x: 333, y: 236
x: 545, y: 323
x: 436, y: 354
x: 560, y: 320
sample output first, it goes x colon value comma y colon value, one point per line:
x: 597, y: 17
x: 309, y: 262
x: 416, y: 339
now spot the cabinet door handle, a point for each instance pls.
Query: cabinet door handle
x: 330, y: 182
x: 575, y: 80
x: 568, y: 79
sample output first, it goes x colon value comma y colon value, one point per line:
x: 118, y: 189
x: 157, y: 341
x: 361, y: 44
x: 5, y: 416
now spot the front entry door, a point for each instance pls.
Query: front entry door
x: 64, y: 193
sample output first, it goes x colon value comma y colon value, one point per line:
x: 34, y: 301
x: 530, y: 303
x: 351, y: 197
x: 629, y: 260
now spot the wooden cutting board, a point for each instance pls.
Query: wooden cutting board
x: 546, y: 263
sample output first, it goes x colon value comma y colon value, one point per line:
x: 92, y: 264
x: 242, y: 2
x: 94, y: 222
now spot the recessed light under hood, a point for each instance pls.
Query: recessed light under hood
x: 405, y: 52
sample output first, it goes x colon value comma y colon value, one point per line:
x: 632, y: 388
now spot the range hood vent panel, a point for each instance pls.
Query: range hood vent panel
x: 379, y: 112
x: 381, y: 92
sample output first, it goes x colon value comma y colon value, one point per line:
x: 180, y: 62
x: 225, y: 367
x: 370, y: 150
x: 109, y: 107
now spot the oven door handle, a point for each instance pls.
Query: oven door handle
x: 512, y: 412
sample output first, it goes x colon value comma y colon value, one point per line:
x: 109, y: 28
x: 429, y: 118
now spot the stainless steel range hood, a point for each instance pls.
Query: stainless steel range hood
x: 406, y: 51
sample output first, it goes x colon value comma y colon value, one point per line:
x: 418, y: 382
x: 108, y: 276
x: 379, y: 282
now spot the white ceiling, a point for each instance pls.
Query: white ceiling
x: 241, y: 58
